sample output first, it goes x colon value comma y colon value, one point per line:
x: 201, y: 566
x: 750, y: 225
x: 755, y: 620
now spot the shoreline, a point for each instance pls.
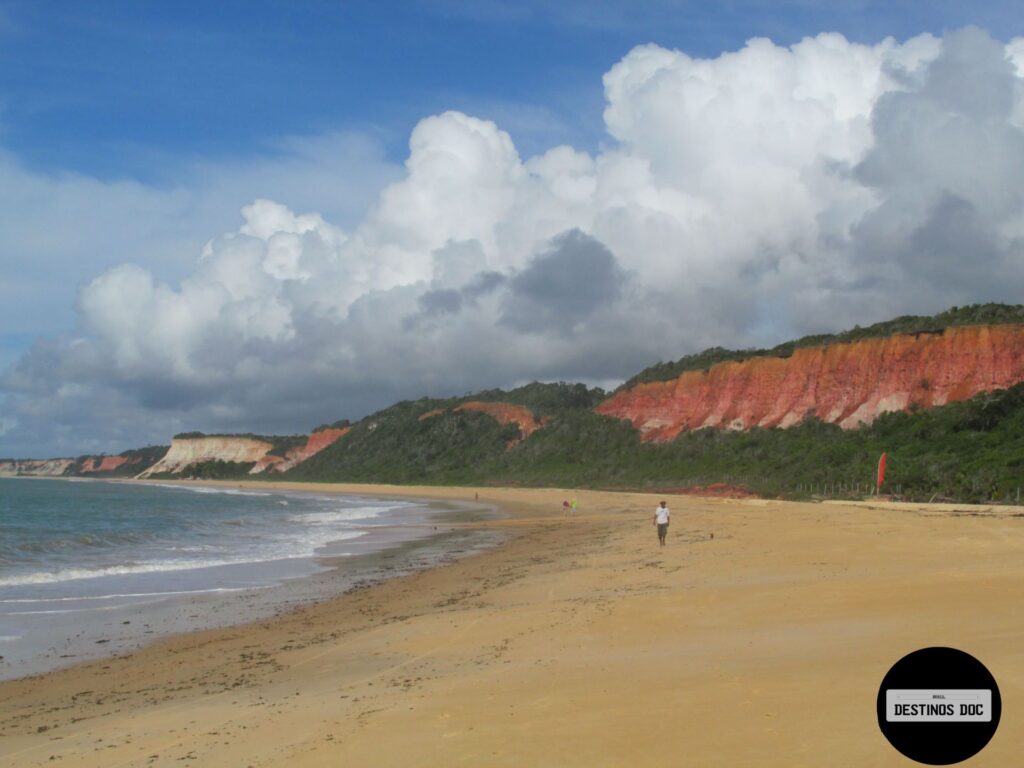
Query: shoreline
x: 430, y: 533
x: 564, y: 645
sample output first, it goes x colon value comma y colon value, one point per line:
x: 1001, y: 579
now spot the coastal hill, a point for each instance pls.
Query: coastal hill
x: 943, y: 395
x: 127, y: 464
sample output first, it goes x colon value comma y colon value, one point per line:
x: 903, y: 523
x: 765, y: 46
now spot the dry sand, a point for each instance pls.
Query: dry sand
x: 576, y: 643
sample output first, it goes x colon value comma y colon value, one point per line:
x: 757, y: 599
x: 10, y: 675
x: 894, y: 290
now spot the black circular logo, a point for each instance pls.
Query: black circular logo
x: 938, y: 706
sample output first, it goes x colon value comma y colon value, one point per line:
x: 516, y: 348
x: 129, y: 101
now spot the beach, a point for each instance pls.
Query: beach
x: 758, y: 636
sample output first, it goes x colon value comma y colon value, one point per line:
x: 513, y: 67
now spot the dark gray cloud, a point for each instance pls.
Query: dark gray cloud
x: 482, y: 284
x: 437, y: 302
x: 440, y: 301
x: 563, y: 287
x: 574, y: 278
x: 443, y: 300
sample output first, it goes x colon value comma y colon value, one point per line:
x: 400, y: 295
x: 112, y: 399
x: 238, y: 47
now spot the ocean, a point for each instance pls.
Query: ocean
x: 91, y: 568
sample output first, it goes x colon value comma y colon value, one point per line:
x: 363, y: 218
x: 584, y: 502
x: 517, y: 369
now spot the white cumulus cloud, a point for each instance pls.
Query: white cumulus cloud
x: 769, y: 192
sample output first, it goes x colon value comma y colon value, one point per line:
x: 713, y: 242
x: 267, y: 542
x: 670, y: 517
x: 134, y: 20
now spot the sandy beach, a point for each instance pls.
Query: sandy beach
x: 758, y: 636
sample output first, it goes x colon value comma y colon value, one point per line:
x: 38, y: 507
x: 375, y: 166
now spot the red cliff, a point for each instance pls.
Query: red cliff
x: 847, y: 384
x: 103, y: 464
x: 316, y: 443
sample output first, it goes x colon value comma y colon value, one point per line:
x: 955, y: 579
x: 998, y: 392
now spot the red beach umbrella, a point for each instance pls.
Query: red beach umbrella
x: 881, y: 474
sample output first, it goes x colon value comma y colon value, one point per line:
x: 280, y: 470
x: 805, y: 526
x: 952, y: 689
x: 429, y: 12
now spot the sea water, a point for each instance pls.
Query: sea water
x: 84, y: 564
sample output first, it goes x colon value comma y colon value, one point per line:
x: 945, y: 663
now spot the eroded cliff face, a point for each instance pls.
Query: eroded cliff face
x: 506, y: 413
x: 316, y: 443
x: 103, y: 464
x: 243, y: 450
x: 191, y: 450
x: 846, y: 384
x: 35, y: 467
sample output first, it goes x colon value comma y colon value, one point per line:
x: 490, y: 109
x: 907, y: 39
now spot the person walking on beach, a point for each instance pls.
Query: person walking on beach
x: 661, y: 518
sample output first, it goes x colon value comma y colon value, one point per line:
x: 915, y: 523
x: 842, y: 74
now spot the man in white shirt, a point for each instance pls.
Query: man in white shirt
x: 661, y: 518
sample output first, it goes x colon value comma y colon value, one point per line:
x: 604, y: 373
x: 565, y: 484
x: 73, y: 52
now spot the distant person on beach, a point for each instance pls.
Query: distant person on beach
x: 661, y: 518
x: 565, y: 507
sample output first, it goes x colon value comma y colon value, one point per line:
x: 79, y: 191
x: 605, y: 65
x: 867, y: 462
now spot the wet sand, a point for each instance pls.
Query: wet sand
x: 576, y: 642
x: 78, y: 622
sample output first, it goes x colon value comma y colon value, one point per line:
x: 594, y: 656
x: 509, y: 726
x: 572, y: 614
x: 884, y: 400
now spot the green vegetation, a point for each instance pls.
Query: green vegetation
x: 395, y: 446
x: 976, y: 314
x: 544, y: 399
x: 218, y: 470
x: 968, y: 451
x: 972, y: 451
x: 340, y: 424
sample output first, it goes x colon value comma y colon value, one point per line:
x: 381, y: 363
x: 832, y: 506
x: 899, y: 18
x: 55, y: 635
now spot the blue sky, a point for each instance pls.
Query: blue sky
x: 137, y: 140
x: 116, y: 89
